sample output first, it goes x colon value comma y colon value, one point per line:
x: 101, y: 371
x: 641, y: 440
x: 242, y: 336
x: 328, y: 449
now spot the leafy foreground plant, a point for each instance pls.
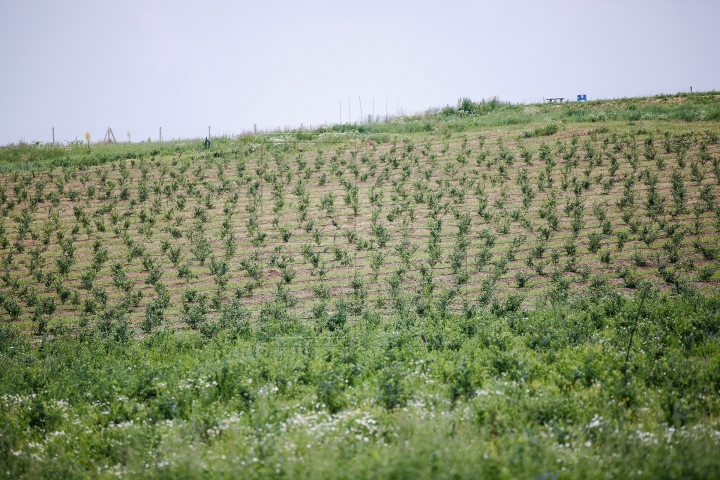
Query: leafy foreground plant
x: 548, y: 393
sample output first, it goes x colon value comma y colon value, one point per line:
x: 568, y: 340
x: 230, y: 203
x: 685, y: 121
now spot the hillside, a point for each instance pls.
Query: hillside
x: 453, y: 293
x: 322, y: 221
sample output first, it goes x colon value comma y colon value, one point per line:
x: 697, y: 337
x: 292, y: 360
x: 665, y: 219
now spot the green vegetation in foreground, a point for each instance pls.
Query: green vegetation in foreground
x: 453, y: 294
x: 524, y: 394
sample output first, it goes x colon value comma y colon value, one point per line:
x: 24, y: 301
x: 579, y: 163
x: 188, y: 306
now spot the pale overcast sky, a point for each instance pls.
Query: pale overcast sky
x: 181, y: 65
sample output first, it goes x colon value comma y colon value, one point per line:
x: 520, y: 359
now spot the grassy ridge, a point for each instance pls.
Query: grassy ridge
x: 470, y: 115
x: 696, y: 107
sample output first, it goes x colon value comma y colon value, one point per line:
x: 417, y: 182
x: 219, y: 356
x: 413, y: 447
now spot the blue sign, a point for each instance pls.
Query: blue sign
x: 582, y: 98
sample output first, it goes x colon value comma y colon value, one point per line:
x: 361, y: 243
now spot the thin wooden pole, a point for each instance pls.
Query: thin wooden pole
x: 53, y: 136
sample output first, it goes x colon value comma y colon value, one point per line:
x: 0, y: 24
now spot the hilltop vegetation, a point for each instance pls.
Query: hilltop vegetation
x: 452, y: 293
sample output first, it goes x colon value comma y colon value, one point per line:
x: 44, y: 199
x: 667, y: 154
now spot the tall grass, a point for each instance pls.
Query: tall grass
x: 468, y: 115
